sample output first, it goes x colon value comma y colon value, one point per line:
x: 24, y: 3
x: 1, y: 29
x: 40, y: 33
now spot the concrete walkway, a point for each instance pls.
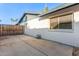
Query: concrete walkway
x: 21, y: 45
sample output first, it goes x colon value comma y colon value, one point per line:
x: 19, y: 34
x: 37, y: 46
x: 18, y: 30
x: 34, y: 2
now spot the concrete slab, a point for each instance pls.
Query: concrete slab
x: 48, y: 47
x: 22, y: 45
x: 13, y: 46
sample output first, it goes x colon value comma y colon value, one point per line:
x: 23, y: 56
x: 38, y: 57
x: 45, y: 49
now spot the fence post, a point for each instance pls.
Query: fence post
x: 1, y: 29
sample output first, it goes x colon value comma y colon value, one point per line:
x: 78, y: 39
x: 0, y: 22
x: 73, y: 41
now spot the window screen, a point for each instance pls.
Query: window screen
x: 54, y: 23
x: 65, y: 22
x: 61, y: 22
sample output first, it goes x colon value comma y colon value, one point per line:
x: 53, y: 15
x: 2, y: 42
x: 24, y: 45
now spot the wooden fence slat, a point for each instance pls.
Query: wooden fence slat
x: 11, y: 29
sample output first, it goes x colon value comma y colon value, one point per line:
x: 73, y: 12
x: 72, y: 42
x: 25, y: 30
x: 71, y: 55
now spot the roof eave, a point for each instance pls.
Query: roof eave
x: 59, y: 9
x: 25, y: 15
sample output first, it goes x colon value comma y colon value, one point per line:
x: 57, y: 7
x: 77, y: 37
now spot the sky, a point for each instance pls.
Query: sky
x: 16, y: 10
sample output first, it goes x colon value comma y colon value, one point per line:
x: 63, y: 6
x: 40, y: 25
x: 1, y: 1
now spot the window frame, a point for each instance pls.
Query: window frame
x: 63, y: 30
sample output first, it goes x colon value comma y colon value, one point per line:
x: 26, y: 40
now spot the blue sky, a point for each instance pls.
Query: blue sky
x: 16, y: 10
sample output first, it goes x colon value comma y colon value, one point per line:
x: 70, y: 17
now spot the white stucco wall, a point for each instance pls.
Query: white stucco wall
x: 36, y: 26
x: 76, y: 28
x: 28, y: 17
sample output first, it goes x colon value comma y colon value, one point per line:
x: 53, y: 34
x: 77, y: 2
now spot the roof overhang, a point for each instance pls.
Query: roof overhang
x: 25, y: 15
x: 63, y: 6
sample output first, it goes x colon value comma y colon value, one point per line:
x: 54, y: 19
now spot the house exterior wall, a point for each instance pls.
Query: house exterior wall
x: 42, y: 27
x: 27, y: 18
x: 46, y: 33
x: 76, y: 28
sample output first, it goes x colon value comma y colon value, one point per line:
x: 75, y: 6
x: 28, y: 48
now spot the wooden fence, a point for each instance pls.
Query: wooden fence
x: 11, y: 30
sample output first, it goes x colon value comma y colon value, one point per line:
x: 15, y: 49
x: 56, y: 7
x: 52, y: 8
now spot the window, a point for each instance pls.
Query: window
x: 54, y: 23
x: 61, y: 22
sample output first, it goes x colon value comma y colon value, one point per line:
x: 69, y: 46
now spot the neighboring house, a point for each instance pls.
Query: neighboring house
x: 60, y: 24
x: 26, y: 17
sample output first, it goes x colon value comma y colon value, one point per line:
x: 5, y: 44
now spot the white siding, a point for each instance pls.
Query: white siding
x: 30, y: 17
x: 36, y: 26
x: 76, y: 28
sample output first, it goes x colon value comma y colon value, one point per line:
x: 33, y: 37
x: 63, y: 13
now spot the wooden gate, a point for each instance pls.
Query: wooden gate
x: 11, y: 29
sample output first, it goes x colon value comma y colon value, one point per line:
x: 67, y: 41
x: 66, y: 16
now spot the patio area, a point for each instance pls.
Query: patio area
x: 22, y: 45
